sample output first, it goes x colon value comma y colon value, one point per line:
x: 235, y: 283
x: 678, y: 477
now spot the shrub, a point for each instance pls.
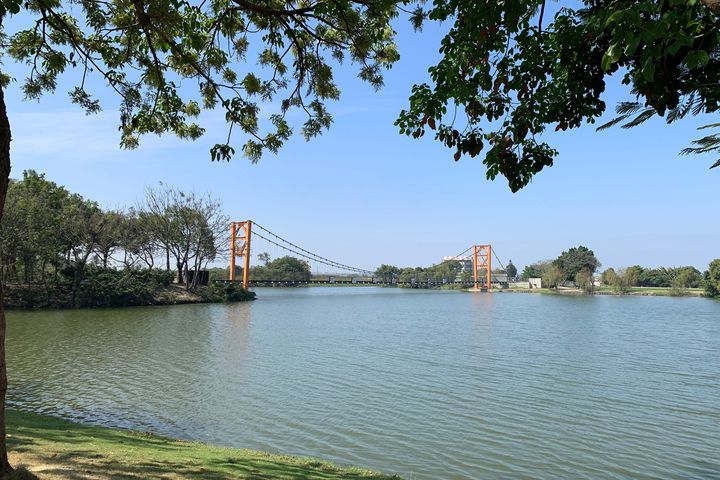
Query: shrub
x: 107, y: 287
x: 227, y: 292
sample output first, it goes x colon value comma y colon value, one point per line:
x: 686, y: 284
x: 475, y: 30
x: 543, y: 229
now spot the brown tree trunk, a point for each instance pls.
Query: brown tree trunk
x: 713, y: 5
x: 180, y: 273
x: 4, y: 179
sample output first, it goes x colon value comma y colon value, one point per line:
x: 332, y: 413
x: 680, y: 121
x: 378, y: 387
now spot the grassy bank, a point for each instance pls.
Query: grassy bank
x: 604, y: 290
x: 56, y: 449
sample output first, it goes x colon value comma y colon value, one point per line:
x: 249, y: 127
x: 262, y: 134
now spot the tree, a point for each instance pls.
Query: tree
x: 283, y: 269
x: 553, y: 277
x: 633, y: 275
x: 446, y: 270
x: 80, y: 234
x: 264, y: 257
x: 687, y: 277
x: 712, y: 282
x: 387, y: 272
x: 145, y: 50
x: 576, y: 260
x: 511, y: 270
x: 536, y: 270
x: 138, y: 240
x: 108, y: 226
x: 656, y: 277
x: 608, y: 277
x: 189, y: 227
x: 584, y: 279
x: 509, y: 71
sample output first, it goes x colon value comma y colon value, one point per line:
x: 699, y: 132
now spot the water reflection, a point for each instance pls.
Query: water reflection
x: 426, y: 384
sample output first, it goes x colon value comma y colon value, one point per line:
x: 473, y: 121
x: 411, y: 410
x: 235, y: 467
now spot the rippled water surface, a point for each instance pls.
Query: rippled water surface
x: 424, y: 384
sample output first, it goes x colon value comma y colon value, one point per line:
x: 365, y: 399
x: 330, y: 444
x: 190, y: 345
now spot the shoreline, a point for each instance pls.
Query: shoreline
x: 53, y: 448
x: 41, y: 297
x: 632, y: 292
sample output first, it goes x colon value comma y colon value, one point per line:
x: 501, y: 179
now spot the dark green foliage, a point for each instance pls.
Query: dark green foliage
x: 218, y: 274
x: 535, y: 270
x: 448, y: 270
x: 509, y: 71
x: 712, y: 280
x: 58, y: 249
x: 677, y: 278
x: 387, y: 272
x: 107, y: 287
x: 282, y: 269
x: 576, y: 260
x: 680, y: 277
x: 227, y: 292
x: 687, y: 277
x: 511, y: 270
x: 30, y: 296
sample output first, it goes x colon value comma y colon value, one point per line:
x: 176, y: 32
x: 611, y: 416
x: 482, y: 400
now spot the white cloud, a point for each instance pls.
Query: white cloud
x: 71, y: 135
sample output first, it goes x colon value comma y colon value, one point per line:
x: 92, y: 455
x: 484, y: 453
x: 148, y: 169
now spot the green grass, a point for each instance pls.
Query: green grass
x: 657, y: 291
x: 54, y: 448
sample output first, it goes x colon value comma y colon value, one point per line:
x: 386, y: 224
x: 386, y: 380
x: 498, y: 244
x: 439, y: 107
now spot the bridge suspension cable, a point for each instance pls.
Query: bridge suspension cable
x: 459, y: 255
x: 306, y: 253
x: 503, y: 266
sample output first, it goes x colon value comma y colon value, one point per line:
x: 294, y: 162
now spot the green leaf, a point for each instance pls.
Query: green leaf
x: 611, y: 56
x: 632, y: 45
x: 648, y: 70
x: 696, y: 58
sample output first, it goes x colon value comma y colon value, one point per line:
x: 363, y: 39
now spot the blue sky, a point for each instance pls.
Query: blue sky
x: 365, y: 195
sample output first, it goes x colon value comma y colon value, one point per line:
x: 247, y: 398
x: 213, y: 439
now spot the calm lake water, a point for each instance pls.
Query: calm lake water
x: 425, y: 384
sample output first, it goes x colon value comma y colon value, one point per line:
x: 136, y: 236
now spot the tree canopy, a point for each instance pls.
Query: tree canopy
x: 49, y: 234
x: 511, y: 270
x: 576, y: 260
x: 168, y: 59
x: 535, y: 270
x: 712, y: 279
x: 509, y: 71
x: 282, y: 269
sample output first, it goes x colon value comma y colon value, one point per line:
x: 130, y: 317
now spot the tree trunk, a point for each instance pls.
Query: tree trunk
x: 713, y: 5
x: 4, y: 179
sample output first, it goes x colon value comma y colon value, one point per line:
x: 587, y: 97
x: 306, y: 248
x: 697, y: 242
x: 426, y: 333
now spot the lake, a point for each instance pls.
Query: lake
x: 425, y: 384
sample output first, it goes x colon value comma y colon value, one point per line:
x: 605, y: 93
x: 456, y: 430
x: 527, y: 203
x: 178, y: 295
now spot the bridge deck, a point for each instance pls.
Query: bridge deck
x: 347, y: 282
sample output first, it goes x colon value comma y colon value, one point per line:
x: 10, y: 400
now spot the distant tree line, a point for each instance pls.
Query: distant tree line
x: 52, y: 237
x: 676, y: 278
x: 448, y: 270
x: 283, y: 269
x: 578, y: 265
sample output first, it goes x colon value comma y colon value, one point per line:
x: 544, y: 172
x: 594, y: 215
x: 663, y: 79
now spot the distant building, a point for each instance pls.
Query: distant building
x: 500, y: 278
x: 535, y: 282
x: 466, y: 264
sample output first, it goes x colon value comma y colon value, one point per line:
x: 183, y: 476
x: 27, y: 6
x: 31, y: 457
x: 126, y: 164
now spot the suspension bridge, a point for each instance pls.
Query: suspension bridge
x: 247, y: 233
